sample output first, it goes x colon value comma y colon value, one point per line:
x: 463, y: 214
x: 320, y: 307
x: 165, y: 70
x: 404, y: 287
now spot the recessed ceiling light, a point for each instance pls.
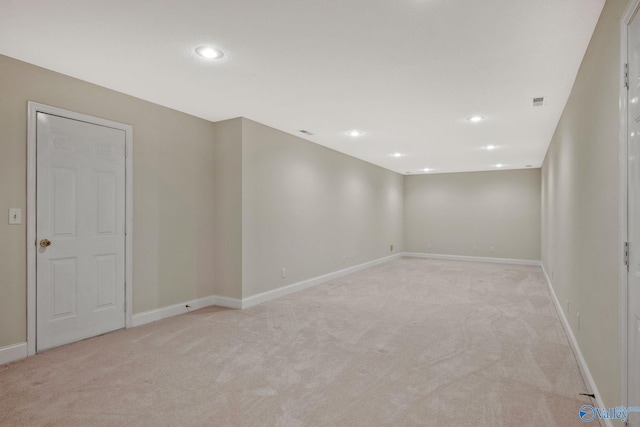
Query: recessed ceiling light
x: 490, y: 147
x: 475, y: 119
x: 499, y: 165
x: 397, y: 155
x: 355, y: 133
x: 427, y: 169
x: 209, y: 52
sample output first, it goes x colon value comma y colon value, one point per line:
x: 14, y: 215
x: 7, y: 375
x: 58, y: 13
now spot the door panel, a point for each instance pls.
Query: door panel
x: 106, y: 193
x: 81, y: 210
x: 63, y: 285
x: 64, y: 206
x: 107, y: 272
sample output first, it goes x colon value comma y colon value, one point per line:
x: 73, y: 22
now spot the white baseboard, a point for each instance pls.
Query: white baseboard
x: 176, y: 309
x: 227, y: 302
x: 295, y: 287
x: 582, y: 363
x: 13, y: 352
x: 172, y: 310
x: 473, y: 258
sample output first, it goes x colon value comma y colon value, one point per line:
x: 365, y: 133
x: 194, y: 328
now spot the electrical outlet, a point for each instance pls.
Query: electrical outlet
x: 283, y: 272
x: 475, y: 248
x: 391, y: 248
x: 492, y: 249
x: 428, y: 245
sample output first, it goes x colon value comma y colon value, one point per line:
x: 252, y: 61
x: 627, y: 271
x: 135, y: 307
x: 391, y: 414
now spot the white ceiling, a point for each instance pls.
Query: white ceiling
x: 405, y: 72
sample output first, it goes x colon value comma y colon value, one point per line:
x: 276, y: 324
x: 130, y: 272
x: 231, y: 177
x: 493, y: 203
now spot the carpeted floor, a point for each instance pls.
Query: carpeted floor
x: 410, y: 342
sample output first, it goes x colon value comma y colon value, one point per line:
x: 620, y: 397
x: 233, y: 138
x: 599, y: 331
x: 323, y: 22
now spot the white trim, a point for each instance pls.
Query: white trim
x: 181, y: 308
x: 623, y: 232
x: 128, y: 238
x: 176, y: 309
x: 630, y: 12
x: 295, y: 287
x: 582, y: 363
x: 172, y: 310
x: 32, y: 109
x: 473, y: 258
x: 31, y: 228
x: 13, y: 352
x: 228, y: 302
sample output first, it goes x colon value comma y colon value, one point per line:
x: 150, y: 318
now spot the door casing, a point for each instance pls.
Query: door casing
x: 32, y: 109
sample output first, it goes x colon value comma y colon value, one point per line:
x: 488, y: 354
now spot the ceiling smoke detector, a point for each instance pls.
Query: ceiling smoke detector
x: 538, y: 102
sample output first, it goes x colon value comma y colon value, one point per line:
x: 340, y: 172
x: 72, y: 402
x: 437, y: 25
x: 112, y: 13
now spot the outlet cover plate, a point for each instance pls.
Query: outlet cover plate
x: 15, y: 216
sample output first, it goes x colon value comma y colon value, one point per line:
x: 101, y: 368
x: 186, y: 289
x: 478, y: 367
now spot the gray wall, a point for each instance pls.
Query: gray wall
x: 580, y: 205
x: 455, y: 212
x: 228, y: 208
x: 173, y: 169
x: 311, y: 210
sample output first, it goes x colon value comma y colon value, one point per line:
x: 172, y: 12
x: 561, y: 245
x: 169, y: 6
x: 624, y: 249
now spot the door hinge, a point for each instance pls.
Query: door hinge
x: 626, y: 254
x: 626, y: 76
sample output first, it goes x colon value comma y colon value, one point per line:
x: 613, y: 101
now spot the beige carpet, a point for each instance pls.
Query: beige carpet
x: 410, y: 342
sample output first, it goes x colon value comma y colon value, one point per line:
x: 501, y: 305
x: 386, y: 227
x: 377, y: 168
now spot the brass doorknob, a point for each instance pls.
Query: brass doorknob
x: 45, y: 242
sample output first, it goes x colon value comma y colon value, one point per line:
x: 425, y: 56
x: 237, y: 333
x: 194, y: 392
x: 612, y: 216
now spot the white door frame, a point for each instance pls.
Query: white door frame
x: 630, y: 12
x: 32, y: 109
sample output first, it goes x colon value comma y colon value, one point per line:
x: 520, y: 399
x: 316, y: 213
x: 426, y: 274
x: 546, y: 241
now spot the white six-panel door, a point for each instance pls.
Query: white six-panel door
x: 80, y: 276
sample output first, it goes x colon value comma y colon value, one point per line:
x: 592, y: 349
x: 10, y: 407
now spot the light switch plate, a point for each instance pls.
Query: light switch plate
x: 15, y: 216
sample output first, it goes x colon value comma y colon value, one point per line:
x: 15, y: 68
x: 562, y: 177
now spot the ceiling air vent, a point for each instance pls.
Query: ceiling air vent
x: 537, y: 102
x: 306, y: 132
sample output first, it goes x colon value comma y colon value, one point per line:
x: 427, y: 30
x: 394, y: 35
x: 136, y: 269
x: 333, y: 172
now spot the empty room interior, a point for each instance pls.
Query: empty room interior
x: 414, y: 212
